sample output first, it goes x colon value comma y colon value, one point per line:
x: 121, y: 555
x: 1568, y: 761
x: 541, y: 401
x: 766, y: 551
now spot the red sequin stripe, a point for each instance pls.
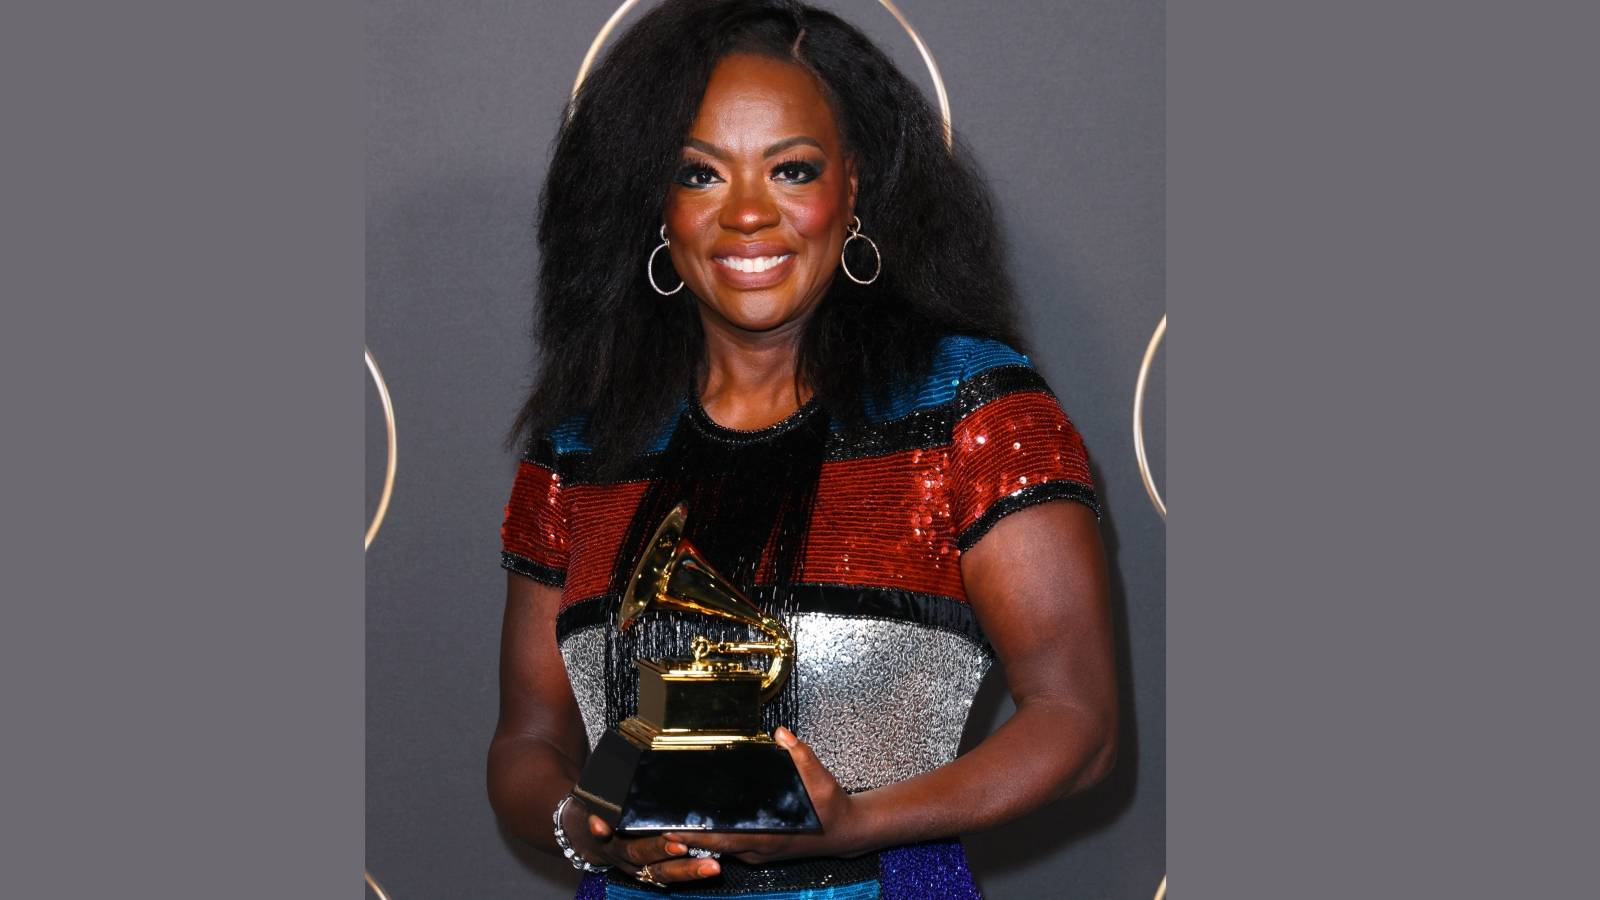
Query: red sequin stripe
x: 1007, y: 445
x: 878, y: 522
x: 534, y: 525
x: 887, y: 521
x: 884, y: 521
x: 599, y: 515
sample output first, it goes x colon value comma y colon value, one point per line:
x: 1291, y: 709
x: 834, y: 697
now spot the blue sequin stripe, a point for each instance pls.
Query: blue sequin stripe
x: 864, y: 890
x: 956, y: 359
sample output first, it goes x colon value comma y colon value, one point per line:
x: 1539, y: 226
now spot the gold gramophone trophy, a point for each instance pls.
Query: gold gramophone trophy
x: 695, y: 756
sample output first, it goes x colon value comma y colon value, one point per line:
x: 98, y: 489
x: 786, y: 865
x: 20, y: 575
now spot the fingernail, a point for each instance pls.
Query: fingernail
x: 676, y: 849
x: 784, y: 737
x: 708, y: 869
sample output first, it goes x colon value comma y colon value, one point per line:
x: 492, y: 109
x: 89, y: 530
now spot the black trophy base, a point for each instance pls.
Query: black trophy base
x: 741, y: 787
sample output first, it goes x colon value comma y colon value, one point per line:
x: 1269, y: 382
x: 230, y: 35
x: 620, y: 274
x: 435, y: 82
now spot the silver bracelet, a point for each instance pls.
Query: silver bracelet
x: 572, y: 856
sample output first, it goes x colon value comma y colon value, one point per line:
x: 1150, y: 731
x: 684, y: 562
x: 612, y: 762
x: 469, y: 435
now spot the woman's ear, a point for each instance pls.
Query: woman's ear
x: 850, y: 167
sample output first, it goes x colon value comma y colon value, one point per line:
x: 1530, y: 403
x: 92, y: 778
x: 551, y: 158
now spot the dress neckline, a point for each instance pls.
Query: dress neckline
x: 703, y: 420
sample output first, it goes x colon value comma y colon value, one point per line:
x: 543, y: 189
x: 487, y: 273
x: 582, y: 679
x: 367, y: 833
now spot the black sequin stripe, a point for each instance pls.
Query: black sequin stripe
x: 584, y: 614
x: 991, y: 384
x: 924, y: 428
x: 787, y: 875
x: 541, y: 451
x: 579, y: 467
x: 927, y: 610
x: 537, y: 571
x: 932, y: 427
x: 1028, y: 496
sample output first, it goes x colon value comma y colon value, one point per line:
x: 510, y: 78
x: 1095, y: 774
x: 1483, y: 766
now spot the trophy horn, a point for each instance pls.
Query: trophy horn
x: 673, y: 574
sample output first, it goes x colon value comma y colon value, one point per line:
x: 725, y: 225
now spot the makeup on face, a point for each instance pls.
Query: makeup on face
x: 757, y: 209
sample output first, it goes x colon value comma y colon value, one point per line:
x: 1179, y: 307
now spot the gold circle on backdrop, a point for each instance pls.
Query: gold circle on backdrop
x: 922, y: 48
x: 1144, y: 463
x: 389, y: 468
x: 376, y: 887
x: 1138, y: 418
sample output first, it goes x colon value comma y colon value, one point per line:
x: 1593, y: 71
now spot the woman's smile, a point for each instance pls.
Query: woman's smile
x: 751, y: 266
x: 756, y: 264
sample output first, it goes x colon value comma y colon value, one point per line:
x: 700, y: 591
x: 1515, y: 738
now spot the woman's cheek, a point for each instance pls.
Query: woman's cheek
x: 688, y: 223
x: 816, y: 217
x: 685, y: 217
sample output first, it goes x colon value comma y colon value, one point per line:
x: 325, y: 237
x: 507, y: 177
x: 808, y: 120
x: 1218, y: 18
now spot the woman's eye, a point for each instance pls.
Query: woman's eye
x: 696, y: 176
x: 797, y: 171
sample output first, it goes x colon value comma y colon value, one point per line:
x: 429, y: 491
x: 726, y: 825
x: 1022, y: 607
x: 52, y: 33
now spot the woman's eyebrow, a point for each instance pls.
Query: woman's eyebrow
x: 786, y: 143
x: 715, y: 151
x: 711, y: 149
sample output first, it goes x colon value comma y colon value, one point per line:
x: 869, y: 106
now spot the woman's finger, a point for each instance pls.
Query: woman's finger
x: 647, y: 851
x: 815, y: 775
x: 683, y: 870
x: 723, y: 842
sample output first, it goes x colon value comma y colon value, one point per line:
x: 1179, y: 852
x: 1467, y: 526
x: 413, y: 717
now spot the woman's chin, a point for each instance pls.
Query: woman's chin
x: 750, y: 313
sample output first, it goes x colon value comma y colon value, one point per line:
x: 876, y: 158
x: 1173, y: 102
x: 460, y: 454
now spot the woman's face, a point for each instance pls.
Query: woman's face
x: 757, y: 212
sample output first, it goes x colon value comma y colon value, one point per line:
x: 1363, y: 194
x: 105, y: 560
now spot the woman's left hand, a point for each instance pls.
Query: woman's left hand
x: 836, y: 809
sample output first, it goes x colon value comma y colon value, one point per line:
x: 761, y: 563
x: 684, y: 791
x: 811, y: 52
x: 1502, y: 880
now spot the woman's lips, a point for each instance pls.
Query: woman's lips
x: 754, y: 271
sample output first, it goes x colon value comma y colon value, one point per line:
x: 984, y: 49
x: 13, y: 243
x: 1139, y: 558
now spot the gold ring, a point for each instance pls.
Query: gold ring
x: 645, y: 876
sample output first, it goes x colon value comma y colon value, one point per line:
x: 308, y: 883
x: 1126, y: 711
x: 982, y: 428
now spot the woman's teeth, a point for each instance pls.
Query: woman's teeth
x: 752, y: 263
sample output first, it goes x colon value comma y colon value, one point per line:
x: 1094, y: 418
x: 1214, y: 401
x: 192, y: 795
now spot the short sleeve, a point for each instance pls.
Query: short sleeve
x: 1012, y: 451
x: 534, y: 535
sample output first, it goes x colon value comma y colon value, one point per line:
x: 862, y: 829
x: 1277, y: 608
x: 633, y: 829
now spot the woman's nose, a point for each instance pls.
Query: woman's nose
x: 749, y: 209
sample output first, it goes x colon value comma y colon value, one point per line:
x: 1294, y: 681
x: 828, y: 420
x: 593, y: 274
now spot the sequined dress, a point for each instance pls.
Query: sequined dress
x: 889, y: 654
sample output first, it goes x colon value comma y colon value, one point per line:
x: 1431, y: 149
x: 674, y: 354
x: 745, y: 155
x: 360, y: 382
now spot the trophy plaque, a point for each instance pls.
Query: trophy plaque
x: 695, y: 757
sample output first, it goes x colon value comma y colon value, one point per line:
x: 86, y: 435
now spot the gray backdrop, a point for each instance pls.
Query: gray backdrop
x: 1064, y: 104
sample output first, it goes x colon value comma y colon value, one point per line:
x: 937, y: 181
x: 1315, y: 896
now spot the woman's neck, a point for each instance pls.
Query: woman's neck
x: 750, y: 380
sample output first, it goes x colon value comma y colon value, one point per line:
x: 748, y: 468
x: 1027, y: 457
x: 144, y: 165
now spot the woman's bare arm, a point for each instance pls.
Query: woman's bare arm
x: 1037, y: 582
x: 539, y: 747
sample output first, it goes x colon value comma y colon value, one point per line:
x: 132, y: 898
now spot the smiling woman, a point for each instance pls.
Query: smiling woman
x: 758, y: 209
x: 872, y: 459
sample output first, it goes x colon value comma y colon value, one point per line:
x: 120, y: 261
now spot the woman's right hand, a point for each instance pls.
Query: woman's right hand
x: 668, y: 860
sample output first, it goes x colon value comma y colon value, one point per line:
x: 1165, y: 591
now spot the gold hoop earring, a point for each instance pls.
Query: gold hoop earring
x: 649, y: 266
x: 855, y: 232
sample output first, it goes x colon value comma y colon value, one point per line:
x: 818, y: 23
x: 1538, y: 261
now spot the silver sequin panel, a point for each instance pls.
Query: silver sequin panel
x: 880, y: 701
x: 584, y: 653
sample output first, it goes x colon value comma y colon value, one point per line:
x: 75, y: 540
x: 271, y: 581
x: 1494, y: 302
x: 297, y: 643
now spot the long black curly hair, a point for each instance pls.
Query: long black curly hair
x: 613, y: 350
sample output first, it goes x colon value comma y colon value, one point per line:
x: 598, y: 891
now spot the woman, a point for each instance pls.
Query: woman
x: 770, y: 290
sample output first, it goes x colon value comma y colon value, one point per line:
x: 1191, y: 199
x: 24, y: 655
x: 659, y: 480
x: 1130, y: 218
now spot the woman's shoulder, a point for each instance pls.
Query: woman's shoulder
x: 965, y: 372
x: 567, y: 437
x: 568, y: 446
x: 972, y: 355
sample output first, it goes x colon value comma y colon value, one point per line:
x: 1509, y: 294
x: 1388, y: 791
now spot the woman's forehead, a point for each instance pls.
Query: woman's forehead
x: 751, y: 101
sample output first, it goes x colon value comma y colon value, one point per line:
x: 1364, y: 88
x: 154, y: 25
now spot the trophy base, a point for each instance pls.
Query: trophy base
x: 740, y: 787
